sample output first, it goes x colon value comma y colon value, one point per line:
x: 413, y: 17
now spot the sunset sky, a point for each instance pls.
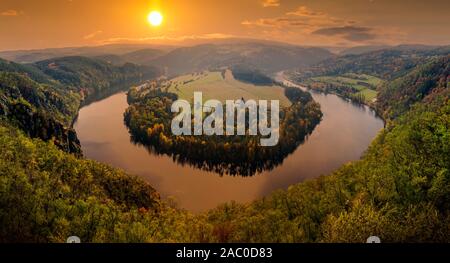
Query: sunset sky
x: 29, y: 24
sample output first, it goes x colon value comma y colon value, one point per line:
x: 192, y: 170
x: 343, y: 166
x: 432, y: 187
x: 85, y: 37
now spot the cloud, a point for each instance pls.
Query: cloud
x: 93, y: 34
x: 305, y: 12
x: 303, y: 25
x: 10, y: 12
x: 351, y: 33
x: 275, y: 22
x: 271, y: 3
x: 300, y: 17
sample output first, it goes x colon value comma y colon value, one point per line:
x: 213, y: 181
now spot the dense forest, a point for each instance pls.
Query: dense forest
x: 397, y: 96
x: 43, y: 98
x: 399, y: 190
x: 385, y: 64
x: 149, y: 120
x: 250, y: 75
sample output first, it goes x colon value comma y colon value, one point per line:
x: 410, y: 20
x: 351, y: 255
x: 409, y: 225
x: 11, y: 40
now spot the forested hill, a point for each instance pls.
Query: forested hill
x: 30, y: 70
x: 386, y: 64
x: 399, y: 190
x: 43, y: 98
x: 40, y: 110
x: 269, y: 58
x: 396, y: 97
x: 92, y: 75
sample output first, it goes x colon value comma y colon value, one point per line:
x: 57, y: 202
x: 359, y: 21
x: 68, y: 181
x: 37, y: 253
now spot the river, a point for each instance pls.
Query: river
x: 342, y: 136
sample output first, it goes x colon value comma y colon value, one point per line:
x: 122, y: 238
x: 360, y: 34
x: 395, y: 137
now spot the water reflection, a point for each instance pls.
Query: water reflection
x: 342, y: 136
x: 236, y: 164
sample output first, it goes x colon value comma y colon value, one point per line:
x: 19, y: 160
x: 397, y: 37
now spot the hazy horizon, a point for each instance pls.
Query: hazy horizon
x: 196, y: 43
x: 26, y: 25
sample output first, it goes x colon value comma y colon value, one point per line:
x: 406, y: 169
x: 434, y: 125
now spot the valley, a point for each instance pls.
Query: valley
x: 341, y: 177
x: 344, y: 126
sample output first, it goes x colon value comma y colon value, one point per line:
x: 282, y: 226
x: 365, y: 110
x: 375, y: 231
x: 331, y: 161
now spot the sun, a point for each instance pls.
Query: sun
x: 155, y: 18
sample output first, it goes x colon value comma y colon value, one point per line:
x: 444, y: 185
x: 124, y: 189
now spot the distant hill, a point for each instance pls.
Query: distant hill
x: 142, y: 56
x: 139, y: 57
x: 30, y: 56
x: 111, y: 59
x: 268, y: 58
x: 358, y: 50
x: 385, y: 64
x: 93, y: 75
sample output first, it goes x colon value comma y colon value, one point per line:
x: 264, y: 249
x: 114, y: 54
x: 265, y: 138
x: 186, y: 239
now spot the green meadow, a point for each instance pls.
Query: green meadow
x: 222, y: 87
x: 365, y: 84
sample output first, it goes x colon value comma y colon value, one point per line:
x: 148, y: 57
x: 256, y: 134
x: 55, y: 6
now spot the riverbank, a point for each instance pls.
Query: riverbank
x: 343, y: 135
x: 282, y: 76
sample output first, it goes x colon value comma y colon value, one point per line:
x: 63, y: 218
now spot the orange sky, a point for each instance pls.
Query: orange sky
x: 26, y: 24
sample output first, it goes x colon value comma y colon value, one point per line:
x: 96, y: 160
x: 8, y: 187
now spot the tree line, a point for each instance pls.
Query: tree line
x: 149, y: 120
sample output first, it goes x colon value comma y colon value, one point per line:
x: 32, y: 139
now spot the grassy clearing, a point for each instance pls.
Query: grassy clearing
x: 364, y: 84
x: 369, y: 94
x: 215, y: 86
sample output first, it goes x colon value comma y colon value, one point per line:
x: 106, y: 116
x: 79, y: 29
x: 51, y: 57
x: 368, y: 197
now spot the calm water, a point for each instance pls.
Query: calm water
x: 343, y: 135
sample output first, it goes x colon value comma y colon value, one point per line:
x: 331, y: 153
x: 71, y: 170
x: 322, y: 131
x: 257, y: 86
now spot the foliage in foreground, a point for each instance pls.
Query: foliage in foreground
x: 47, y: 195
x: 399, y: 191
